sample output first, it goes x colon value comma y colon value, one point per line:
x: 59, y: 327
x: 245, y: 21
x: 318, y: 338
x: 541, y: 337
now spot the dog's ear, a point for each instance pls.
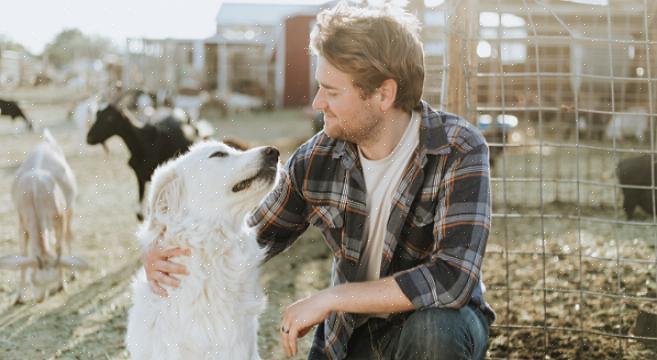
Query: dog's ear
x: 166, y: 196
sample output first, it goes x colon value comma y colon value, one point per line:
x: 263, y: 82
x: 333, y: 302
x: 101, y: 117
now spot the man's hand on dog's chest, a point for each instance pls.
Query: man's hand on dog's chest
x: 159, y: 269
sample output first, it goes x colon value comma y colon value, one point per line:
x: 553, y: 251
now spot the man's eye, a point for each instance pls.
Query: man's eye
x: 218, y: 154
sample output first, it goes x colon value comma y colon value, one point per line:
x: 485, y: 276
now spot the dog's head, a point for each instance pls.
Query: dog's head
x: 212, y: 181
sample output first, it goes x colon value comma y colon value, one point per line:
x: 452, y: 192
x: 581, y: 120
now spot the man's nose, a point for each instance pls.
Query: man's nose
x: 318, y: 102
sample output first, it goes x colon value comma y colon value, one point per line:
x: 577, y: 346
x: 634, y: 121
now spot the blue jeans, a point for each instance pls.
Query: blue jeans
x: 427, y: 334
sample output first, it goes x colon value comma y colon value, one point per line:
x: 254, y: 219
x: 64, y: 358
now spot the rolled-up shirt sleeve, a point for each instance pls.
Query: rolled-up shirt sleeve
x: 461, y: 228
x: 280, y: 218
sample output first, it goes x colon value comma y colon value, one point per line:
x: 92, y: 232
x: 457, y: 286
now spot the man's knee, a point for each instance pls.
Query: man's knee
x: 431, y: 327
x: 443, y: 333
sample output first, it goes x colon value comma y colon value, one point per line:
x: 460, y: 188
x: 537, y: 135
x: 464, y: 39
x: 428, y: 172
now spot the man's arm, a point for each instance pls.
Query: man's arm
x: 461, y: 230
x: 280, y: 219
x: 446, y: 280
x: 370, y: 297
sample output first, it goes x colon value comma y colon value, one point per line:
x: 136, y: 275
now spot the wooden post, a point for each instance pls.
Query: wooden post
x: 222, y: 69
x: 460, y: 95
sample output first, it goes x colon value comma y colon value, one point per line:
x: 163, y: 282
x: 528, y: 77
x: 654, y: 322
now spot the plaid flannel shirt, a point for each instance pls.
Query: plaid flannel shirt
x: 436, y: 234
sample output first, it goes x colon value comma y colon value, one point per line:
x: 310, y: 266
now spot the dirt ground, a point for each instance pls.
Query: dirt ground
x: 87, y: 321
x: 588, y: 281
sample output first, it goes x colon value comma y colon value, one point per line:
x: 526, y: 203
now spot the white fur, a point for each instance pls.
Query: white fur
x: 84, y: 116
x: 43, y: 191
x: 214, y: 313
x: 634, y: 122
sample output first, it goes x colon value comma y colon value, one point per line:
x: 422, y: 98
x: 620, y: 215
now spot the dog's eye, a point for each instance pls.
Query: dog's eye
x: 218, y: 154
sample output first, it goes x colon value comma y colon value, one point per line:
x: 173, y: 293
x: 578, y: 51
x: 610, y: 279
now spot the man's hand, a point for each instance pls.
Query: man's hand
x: 159, y: 269
x: 381, y: 296
x: 301, y: 316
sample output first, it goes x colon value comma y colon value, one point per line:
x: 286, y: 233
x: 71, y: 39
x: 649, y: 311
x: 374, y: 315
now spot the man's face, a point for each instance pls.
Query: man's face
x: 347, y: 115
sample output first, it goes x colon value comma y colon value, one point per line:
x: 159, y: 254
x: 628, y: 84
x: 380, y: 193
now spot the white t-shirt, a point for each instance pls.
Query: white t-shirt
x: 382, y: 178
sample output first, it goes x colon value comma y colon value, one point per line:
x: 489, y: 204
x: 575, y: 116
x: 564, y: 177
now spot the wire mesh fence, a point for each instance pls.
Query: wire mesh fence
x: 565, y: 91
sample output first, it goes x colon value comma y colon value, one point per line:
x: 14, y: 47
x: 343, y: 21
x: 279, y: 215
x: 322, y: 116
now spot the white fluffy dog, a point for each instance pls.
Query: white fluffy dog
x: 200, y: 201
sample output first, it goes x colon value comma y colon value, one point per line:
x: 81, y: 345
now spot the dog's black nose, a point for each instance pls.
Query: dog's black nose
x: 271, y: 153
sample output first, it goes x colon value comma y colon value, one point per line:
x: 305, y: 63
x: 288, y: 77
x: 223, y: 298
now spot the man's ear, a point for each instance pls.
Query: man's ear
x: 387, y: 94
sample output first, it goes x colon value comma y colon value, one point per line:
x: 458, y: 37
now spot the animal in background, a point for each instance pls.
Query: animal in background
x: 633, y: 122
x: 135, y: 100
x: 637, y: 171
x: 149, y: 144
x: 200, y: 201
x: 43, y: 192
x: 84, y: 116
x: 10, y: 108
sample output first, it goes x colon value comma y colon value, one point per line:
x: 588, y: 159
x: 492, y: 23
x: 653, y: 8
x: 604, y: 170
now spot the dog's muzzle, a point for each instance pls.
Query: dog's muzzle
x: 271, y: 154
x: 267, y: 172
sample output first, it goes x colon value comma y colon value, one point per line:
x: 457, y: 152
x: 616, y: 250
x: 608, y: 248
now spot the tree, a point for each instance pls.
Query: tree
x: 72, y: 44
x: 8, y: 44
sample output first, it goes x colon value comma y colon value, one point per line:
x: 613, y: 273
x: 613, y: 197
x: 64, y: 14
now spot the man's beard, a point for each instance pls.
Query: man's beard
x: 368, y: 130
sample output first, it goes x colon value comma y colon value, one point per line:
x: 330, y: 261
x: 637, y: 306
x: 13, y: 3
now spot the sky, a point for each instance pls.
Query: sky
x: 34, y: 23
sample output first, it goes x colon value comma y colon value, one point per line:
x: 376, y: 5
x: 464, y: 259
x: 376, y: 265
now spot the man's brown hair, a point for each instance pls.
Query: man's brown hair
x: 373, y: 46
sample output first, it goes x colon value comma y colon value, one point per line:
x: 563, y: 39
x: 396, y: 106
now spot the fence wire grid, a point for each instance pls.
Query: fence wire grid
x: 565, y: 91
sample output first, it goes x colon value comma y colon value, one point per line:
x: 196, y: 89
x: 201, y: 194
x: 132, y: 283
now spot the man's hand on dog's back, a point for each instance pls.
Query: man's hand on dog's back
x: 159, y: 269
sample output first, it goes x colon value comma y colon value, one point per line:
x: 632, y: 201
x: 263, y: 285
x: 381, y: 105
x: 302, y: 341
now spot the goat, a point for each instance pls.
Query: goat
x: 10, y: 108
x: 149, y: 144
x: 191, y: 102
x: 43, y: 192
x: 634, y: 122
x: 136, y: 100
x: 84, y: 116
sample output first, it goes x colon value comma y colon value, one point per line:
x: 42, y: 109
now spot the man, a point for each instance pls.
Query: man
x: 400, y: 193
